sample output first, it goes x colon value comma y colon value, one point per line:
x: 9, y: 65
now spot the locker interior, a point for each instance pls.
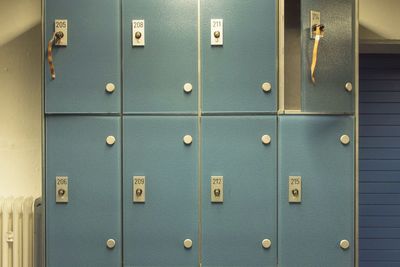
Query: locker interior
x: 179, y: 142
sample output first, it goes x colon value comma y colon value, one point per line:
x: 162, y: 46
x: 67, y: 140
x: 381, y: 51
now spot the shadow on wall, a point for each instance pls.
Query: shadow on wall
x: 20, y: 114
x: 17, y: 17
x: 369, y: 34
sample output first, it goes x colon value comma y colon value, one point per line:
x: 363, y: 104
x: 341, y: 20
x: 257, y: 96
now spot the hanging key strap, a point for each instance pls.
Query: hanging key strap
x: 56, y: 36
x: 318, y: 33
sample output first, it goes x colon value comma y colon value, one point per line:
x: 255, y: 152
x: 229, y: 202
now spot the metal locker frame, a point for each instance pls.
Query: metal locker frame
x: 282, y: 111
x: 280, y: 104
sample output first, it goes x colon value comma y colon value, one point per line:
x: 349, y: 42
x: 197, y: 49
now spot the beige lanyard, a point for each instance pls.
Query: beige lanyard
x: 318, y: 31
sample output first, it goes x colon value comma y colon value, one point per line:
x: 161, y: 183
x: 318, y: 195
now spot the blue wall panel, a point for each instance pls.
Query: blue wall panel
x: 233, y: 231
x: 89, y: 62
x: 77, y: 231
x: 379, y: 160
x: 154, y: 231
x: 309, y: 232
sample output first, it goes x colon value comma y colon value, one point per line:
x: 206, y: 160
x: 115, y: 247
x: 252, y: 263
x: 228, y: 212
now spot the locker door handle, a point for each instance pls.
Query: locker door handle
x: 53, y: 41
x: 318, y: 31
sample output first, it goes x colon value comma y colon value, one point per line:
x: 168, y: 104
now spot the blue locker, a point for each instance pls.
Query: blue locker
x: 155, y: 230
x: 77, y: 232
x: 155, y: 74
x: 89, y: 62
x: 310, y: 232
x: 233, y: 74
x: 336, y: 55
x: 233, y: 231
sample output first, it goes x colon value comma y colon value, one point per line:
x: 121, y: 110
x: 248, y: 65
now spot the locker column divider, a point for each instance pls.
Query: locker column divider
x: 356, y: 133
x: 43, y: 139
x: 281, y: 103
x: 122, y: 129
x: 199, y: 113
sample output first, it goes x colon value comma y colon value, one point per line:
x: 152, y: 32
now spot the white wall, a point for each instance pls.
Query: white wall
x: 20, y: 97
x: 379, y: 26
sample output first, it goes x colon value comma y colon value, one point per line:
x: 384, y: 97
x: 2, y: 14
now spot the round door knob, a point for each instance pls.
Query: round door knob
x: 266, y: 243
x: 344, y: 244
x: 111, y: 243
x: 187, y: 243
x: 348, y: 87
x: 110, y: 140
x: 217, y: 34
x: 188, y: 87
x: 266, y: 87
x: 266, y: 139
x: 138, y: 35
x: 187, y: 139
x: 61, y: 192
x: 110, y: 87
x: 139, y: 192
x: 217, y: 192
x: 345, y: 139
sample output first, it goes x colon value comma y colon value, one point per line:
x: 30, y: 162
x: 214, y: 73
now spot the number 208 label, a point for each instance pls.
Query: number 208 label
x: 138, y: 33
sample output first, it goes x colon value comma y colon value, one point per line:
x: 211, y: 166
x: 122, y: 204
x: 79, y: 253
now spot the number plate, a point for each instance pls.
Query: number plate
x: 61, y: 189
x: 217, y: 189
x: 315, y: 19
x: 294, y: 189
x: 139, y: 189
x: 61, y: 25
x: 138, y: 33
x: 217, y: 32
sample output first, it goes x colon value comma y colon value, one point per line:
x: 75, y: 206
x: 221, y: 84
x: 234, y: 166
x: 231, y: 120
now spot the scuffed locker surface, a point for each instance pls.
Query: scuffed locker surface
x: 310, y: 232
x: 335, y: 65
x: 89, y: 62
x: 156, y: 73
x: 233, y: 74
x: 233, y: 231
x: 77, y: 231
x: 155, y: 230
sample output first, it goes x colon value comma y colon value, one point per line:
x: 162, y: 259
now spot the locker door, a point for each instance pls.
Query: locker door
x: 160, y: 73
x: 234, y: 72
x: 90, y: 63
x: 157, y: 225
x: 77, y: 232
x: 233, y: 231
x: 335, y: 65
x: 311, y: 231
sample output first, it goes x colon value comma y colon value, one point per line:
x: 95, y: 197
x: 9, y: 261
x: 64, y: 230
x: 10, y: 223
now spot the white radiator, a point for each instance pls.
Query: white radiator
x: 16, y: 232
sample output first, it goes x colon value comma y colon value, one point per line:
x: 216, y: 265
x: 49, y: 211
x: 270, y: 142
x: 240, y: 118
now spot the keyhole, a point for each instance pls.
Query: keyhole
x: 217, y: 192
x: 61, y: 192
x: 59, y: 35
x: 139, y: 192
x: 295, y: 192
